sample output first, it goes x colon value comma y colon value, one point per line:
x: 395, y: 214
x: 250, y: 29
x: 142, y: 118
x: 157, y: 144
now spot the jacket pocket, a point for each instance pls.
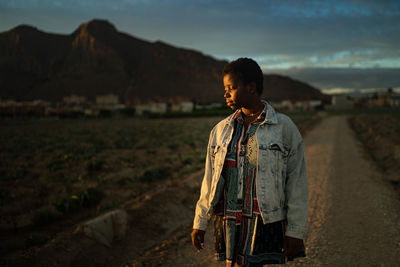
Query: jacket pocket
x: 215, y: 150
x: 216, y: 157
x: 280, y: 159
x: 273, y: 165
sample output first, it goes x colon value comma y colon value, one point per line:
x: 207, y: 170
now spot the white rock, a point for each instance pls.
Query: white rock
x: 107, y: 227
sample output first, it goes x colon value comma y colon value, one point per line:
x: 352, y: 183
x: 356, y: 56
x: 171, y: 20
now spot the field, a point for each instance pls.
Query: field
x: 56, y: 173
x: 379, y: 131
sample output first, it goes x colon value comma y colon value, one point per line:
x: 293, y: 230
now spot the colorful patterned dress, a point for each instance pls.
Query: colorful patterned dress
x: 239, y: 232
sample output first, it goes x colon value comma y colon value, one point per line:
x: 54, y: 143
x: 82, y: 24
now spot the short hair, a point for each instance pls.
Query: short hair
x: 247, y: 70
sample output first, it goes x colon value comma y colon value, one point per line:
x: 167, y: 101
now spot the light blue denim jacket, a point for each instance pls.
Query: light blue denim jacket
x: 281, y: 180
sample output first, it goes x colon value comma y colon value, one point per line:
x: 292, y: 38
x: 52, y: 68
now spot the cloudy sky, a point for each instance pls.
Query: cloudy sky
x: 334, y: 45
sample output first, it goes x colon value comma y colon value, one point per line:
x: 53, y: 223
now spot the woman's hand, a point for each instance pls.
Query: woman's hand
x: 292, y: 246
x: 198, y: 239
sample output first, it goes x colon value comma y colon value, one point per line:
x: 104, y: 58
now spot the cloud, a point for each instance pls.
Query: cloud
x: 344, y: 78
x: 334, y: 91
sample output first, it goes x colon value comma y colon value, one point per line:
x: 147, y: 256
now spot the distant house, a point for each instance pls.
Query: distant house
x: 213, y: 105
x: 341, y: 101
x: 158, y: 107
x: 379, y: 98
x: 384, y: 100
x: 187, y: 106
x: 141, y: 109
x: 74, y: 99
x: 297, y: 104
x: 107, y: 100
x: 396, y: 100
x: 150, y: 106
x: 387, y: 98
x: 11, y: 108
x: 283, y: 105
x: 180, y: 104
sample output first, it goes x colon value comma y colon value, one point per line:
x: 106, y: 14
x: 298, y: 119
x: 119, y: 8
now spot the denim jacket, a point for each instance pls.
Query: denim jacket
x: 281, y: 179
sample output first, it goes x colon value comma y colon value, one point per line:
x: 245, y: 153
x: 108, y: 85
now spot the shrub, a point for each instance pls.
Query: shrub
x: 84, y: 199
x: 5, y: 196
x: 189, y: 141
x: 18, y: 172
x: 190, y: 169
x: 155, y: 174
x: 173, y: 145
x: 44, y: 217
x: 56, y: 164
x: 35, y: 239
x: 124, y: 181
x: 94, y: 164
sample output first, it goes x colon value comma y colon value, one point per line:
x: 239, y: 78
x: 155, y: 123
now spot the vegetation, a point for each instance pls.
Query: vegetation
x: 379, y: 131
x: 53, y: 170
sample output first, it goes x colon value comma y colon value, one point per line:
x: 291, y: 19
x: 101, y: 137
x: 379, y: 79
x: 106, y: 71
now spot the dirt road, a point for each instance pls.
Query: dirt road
x: 353, y: 216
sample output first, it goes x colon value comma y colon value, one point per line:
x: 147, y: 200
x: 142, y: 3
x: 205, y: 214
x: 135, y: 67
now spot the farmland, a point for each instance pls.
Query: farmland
x: 55, y: 173
x: 379, y: 131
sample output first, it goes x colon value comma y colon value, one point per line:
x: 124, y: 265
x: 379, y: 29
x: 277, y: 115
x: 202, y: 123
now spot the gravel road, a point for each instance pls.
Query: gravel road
x: 353, y: 213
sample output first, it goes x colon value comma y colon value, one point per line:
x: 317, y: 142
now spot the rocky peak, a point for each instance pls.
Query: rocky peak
x: 94, y: 27
x: 22, y: 29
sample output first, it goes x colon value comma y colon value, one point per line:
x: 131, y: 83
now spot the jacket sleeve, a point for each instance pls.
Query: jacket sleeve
x: 296, y: 188
x: 202, y: 216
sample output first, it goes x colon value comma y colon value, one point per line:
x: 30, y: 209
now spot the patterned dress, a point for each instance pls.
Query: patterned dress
x: 239, y: 233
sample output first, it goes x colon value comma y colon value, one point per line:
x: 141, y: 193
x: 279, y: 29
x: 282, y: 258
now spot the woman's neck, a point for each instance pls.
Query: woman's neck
x: 254, y: 109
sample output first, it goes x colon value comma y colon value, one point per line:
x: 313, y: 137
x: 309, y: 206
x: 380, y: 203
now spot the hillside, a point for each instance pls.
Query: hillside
x: 98, y: 59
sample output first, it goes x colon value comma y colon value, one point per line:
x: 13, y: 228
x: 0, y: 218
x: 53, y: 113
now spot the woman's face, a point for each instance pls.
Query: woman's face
x: 236, y: 93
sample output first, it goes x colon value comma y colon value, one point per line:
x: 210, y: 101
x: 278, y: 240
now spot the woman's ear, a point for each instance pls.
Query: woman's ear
x: 252, y: 88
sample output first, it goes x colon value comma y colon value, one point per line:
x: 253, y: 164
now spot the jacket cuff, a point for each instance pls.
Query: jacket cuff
x: 200, y: 224
x: 295, y: 231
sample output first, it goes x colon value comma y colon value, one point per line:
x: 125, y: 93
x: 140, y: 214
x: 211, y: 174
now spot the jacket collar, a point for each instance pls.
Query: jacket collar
x: 270, y: 117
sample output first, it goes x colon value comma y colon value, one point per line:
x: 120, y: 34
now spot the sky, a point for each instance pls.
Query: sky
x: 336, y: 45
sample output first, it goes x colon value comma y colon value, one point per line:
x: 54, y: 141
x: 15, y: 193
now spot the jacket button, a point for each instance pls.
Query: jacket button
x: 263, y: 203
x: 264, y: 154
x: 263, y: 169
x: 262, y: 186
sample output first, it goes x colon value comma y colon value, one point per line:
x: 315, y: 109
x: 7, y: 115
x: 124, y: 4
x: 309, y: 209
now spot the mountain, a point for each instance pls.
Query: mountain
x: 278, y: 87
x: 97, y: 59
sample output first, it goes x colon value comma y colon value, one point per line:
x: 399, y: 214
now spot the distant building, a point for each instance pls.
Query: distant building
x: 187, y: 106
x: 11, y: 108
x: 291, y: 104
x: 152, y: 107
x: 213, y: 105
x: 107, y: 100
x: 158, y: 107
x: 386, y: 99
x: 341, y: 101
x: 180, y: 104
x: 396, y: 100
x: 74, y: 100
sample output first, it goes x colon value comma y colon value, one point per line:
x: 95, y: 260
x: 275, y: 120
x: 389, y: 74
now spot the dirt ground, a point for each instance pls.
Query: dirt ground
x: 353, y: 217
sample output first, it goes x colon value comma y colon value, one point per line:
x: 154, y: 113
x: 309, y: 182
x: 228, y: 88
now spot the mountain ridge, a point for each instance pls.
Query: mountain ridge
x: 97, y: 59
